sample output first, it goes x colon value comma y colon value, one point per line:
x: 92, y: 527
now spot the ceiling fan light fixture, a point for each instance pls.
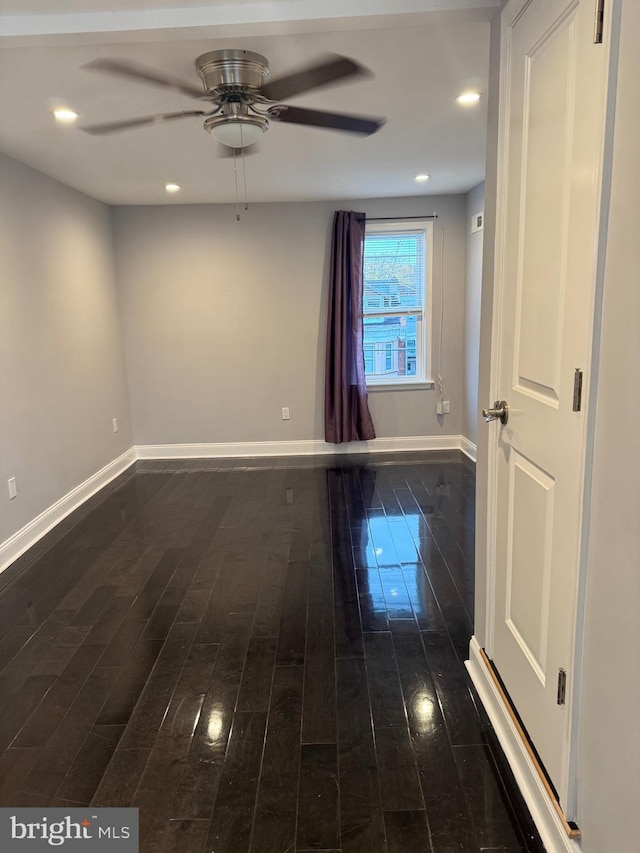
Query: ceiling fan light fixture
x: 172, y: 188
x: 421, y: 178
x: 236, y: 131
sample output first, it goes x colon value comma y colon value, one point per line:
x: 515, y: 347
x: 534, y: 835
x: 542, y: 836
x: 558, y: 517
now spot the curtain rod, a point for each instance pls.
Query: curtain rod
x: 399, y: 218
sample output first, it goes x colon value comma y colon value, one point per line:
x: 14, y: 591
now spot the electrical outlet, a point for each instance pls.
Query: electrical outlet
x: 115, y: 425
x: 13, y: 491
x: 285, y: 413
x: 446, y: 407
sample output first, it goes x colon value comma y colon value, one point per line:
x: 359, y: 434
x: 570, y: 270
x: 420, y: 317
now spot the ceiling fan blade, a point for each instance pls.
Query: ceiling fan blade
x: 145, y: 75
x: 127, y: 124
x: 331, y: 70
x: 333, y: 121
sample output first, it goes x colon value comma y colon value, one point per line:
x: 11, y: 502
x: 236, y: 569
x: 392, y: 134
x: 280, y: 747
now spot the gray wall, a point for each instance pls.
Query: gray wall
x: 472, y: 299
x: 62, y: 377
x: 609, y: 735
x: 224, y: 321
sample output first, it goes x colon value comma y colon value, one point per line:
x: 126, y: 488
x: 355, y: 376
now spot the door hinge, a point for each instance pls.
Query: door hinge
x: 562, y: 686
x: 577, y: 390
x: 598, y: 23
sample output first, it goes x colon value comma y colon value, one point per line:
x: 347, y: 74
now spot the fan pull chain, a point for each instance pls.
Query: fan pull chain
x: 244, y: 178
x: 235, y: 175
x: 244, y: 171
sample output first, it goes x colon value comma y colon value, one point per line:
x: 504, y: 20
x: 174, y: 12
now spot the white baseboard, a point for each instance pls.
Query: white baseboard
x: 468, y: 448
x: 28, y: 535
x: 535, y: 796
x: 298, y: 448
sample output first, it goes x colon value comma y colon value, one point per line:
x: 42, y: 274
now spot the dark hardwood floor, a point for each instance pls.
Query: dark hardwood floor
x: 261, y: 655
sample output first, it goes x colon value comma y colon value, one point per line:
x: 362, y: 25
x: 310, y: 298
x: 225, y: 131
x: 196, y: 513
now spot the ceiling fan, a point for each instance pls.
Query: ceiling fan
x: 241, y: 103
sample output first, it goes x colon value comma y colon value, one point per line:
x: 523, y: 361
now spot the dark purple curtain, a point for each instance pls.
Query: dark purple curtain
x: 346, y: 412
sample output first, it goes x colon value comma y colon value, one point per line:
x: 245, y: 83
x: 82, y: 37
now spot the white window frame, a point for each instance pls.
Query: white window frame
x: 424, y: 337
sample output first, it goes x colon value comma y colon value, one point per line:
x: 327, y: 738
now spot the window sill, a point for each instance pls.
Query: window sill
x: 418, y: 385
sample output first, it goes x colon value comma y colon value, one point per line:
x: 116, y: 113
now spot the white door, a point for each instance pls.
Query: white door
x: 553, y: 94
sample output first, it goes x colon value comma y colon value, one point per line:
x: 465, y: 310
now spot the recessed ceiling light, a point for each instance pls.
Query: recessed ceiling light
x: 421, y: 178
x: 172, y: 188
x: 65, y: 115
x: 468, y: 98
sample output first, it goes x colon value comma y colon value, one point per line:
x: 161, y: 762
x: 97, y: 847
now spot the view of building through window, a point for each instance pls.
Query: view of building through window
x: 394, y: 302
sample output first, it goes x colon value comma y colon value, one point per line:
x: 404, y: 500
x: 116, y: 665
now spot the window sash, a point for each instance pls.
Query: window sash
x: 417, y: 369
x: 395, y: 260
x: 376, y: 354
x: 392, y: 312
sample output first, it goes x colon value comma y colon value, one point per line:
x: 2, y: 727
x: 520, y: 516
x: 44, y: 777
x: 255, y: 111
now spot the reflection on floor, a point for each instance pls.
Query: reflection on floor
x: 261, y: 655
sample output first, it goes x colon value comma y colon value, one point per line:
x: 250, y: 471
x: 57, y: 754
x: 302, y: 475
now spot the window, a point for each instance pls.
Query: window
x: 388, y: 357
x: 369, y: 360
x: 396, y: 302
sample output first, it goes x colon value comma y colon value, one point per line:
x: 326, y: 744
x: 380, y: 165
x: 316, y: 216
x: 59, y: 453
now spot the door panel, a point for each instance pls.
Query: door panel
x: 531, y: 494
x: 547, y: 106
x: 553, y: 94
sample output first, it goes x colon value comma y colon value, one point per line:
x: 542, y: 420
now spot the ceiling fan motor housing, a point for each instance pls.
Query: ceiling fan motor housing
x: 232, y: 70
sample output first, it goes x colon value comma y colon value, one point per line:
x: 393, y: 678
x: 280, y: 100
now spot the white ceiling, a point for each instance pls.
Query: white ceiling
x: 422, y: 53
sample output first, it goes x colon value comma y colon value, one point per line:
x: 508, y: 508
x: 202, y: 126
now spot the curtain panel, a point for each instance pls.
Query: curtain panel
x: 346, y: 411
